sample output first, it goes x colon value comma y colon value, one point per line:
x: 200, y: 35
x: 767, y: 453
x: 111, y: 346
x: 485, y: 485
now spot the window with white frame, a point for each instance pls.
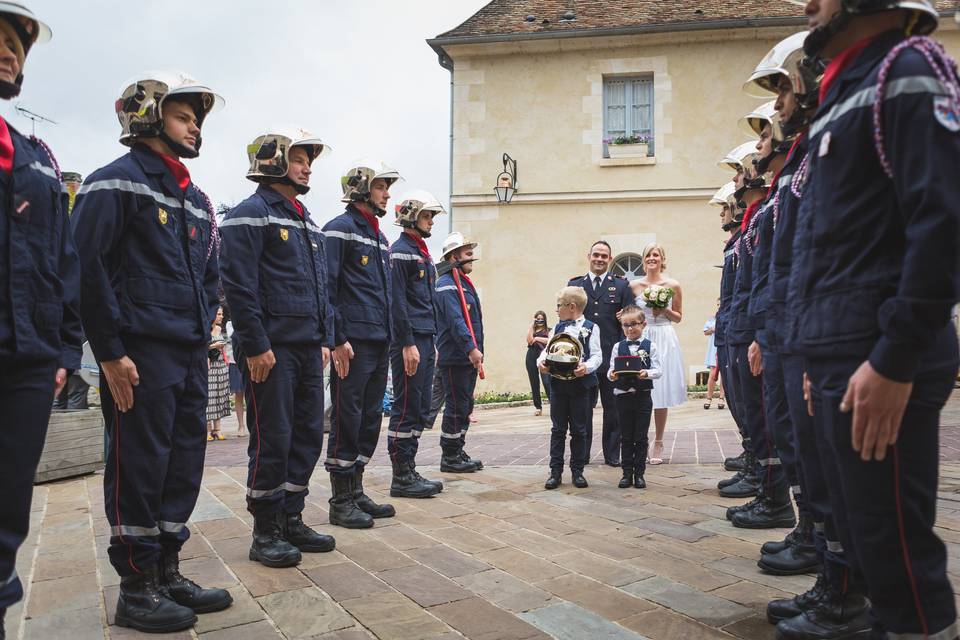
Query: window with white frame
x: 628, y: 109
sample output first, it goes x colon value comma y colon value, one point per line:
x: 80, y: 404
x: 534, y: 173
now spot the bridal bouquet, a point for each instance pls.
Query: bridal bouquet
x: 657, y: 297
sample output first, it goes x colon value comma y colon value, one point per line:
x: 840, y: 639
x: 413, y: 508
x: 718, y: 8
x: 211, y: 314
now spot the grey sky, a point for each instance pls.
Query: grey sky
x: 358, y: 74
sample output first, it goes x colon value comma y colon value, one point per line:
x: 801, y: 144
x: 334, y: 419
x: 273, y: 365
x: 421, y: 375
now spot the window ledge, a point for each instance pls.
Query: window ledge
x: 626, y: 162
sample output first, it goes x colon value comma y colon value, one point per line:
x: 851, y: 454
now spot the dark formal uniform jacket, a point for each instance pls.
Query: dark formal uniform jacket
x: 727, y: 278
x: 878, y: 260
x: 414, y: 278
x: 39, y: 272
x: 358, y: 275
x: 273, y: 260
x: 740, y: 328
x: 759, y: 302
x: 454, y: 342
x: 602, y: 306
x: 148, y: 264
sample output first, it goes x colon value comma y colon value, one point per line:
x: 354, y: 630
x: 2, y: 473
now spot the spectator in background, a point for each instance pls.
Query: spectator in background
x: 709, y: 329
x: 218, y: 380
x: 537, y: 335
x: 236, y: 382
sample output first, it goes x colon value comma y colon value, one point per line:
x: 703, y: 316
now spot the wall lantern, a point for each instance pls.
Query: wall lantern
x: 507, y: 180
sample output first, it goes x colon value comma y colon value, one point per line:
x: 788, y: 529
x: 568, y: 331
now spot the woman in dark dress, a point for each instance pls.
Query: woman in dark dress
x: 537, y: 335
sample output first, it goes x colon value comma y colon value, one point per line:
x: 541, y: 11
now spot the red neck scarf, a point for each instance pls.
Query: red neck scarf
x: 841, y: 62
x: 6, y: 148
x: 296, y: 205
x: 177, y: 169
x: 420, y: 244
x: 464, y: 277
x: 369, y: 217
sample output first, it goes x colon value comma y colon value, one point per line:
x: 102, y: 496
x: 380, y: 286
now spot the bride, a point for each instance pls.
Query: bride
x: 671, y: 389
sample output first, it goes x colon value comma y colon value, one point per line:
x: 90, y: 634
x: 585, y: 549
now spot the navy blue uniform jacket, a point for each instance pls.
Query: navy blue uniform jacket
x: 453, y: 341
x: 726, y: 290
x: 879, y: 266
x: 602, y: 306
x: 740, y: 328
x: 414, y: 278
x: 145, y: 257
x: 358, y: 277
x: 274, y: 270
x: 39, y: 272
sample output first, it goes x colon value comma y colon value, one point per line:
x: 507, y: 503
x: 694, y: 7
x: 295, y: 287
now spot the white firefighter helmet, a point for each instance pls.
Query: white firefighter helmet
x: 754, y: 122
x: 736, y: 157
x: 357, y: 179
x: 455, y: 241
x: 25, y: 30
x: 922, y: 20
x: 723, y: 194
x: 140, y: 106
x: 412, y: 204
x: 765, y: 78
x: 269, y: 153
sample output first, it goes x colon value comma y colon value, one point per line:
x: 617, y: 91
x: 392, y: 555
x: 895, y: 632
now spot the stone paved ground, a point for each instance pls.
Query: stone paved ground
x: 493, y: 557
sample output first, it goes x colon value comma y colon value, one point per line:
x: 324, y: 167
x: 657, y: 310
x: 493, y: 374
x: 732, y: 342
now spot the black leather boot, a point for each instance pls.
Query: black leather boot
x: 746, y: 506
x: 776, y: 546
x: 363, y: 500
x: 747, y: 486
x: 783, y: 609
x: 798, y: 557
x: 463, y: 454
x: 344, y: 511
x: 835, y: 615
x: 735, y: 464
x: 437, y: 483
x: 407, y: 484
x: 774, y: 511
x: 554, y: 481
x: 734, y: 479
x: 304, y: 538
x: 451, y: 461
x: 188, y: 593
x: 269, y: 547
x: 627, y: 480
x: 578, y: 480
x: 144, y: 605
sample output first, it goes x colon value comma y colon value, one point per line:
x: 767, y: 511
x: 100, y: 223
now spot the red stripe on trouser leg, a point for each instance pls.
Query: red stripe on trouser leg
x: 256, y: 423
x: 903, y: 542
x: 403, y: 414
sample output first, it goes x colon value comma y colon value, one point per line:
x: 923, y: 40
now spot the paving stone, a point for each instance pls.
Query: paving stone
x: 209, y: 508
x: 260, y: 580
x: 609, y: 602
x: 612, y: 572
x: 252, y: 631
x: 483, y: 523
x: 539, y: 545
x: 616, y: 549
x: 233, y: 551
x: 747, y: 569
x: 243, y: 611
x: 424, y: 586
x: 504, y: 590
x: 346, y: 581
x: 690, y: 573
x: 396, y: 617
x: 354, y: 633
x: 303, y: 613
x: 566, y: 621
x: 403, y: 537
x: 755, y: 536
x: 543, y: 524
x: 375, y: 556
x: 71, y: 562
x: 223, y: 529
x: 525, y: 566
x: 208, y: 572
x: 447, y: 561
x: 704, y: 607
x: 63, y: 594
x: 123, y: 633
x: 751, y: 594
x: 477, y: 619
x: 662, y: 624
x: 752, y: 628
x: 78, y: 624
x: 671, y: 529
x: 463, y: 539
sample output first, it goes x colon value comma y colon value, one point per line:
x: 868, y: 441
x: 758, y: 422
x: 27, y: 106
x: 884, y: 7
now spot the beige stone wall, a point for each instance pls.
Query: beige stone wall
x: 541, y: 102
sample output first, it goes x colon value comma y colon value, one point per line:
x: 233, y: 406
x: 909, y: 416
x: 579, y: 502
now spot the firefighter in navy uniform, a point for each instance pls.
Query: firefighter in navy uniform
x: 607, y: 296
x: 147, y: 242
x: 358, y: 273
x: 413, y: 354
x: 460, y: 350
x: 39, y: 288
x: 874, y: 284
x: 274, y: 278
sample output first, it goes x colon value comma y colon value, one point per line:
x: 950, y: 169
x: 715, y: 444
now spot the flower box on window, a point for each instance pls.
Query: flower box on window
x: 628, y: 146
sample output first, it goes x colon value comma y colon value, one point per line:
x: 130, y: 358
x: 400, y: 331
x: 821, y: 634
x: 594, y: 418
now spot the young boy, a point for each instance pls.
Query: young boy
x: 632, y: 393
x: 570, y: 399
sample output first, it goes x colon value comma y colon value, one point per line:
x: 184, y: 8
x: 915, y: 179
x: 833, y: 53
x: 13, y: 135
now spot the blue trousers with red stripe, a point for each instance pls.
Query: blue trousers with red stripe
x: 459, y: 381
x: 285, y: 420
x: 780, y: 424
x: 155, y: 452
x: 26, y: 391
x: 357, y: 407
x: 411, y: 399
x: 886, y: 510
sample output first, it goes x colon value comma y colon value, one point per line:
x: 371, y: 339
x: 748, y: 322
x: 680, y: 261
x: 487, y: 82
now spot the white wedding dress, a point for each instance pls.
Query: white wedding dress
x: 670, y: 390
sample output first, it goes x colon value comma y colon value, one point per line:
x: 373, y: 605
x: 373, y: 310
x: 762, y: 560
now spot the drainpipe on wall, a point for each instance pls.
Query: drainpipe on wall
x: 447, y: 63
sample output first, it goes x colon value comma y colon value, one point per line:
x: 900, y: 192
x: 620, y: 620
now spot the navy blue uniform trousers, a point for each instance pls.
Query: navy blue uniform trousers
x: 570, y: 410
x: 285, y: 420
x: 610, y: 434
x: 886, y: 510
x: 748, y: 391
x: 357, y: 407
x: 459, y: 382
x: 726, y: 379
x: 26, y: 391
x: 633, y: 416
x: 779, y: 422
x: 155, y: 452
x: 411, y: 399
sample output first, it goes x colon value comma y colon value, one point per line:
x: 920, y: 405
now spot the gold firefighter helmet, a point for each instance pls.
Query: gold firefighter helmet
x: 563, y: 356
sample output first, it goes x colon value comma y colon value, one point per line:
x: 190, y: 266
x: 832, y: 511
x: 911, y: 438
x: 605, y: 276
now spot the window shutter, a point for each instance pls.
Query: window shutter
x: 628, y: 108
x: 615, y: 99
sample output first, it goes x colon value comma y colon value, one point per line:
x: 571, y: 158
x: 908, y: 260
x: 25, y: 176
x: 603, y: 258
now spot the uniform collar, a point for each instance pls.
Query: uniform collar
x: 603, y: 276
x: 368, y: 221
x: 151, y: 163
x: 274, y: 197
x: 855, y: 63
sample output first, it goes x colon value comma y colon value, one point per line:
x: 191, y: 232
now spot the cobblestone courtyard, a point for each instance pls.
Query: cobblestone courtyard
x: 493, y: 557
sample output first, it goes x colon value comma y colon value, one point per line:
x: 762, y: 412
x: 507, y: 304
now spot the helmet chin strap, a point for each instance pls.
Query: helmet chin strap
x: 10, y: 90
x: 181, y: 150
x: 818, y: 38
x: 301, y: 189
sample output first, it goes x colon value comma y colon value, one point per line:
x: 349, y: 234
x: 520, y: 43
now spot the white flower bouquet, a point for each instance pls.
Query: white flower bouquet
x: 657, y: 297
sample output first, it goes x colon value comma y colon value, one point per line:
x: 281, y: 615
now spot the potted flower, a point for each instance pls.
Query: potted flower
x: 628, y: 146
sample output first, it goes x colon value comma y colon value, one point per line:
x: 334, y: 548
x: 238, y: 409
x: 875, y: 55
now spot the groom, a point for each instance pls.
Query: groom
x: 607, y: 295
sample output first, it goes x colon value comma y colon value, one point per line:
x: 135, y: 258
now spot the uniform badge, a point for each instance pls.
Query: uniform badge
x: 469, y: 306
x: 162, y: 216
x: 364, y: 260
x: 947, y: 113
x: 422, y: 273
x: 284, y: 235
